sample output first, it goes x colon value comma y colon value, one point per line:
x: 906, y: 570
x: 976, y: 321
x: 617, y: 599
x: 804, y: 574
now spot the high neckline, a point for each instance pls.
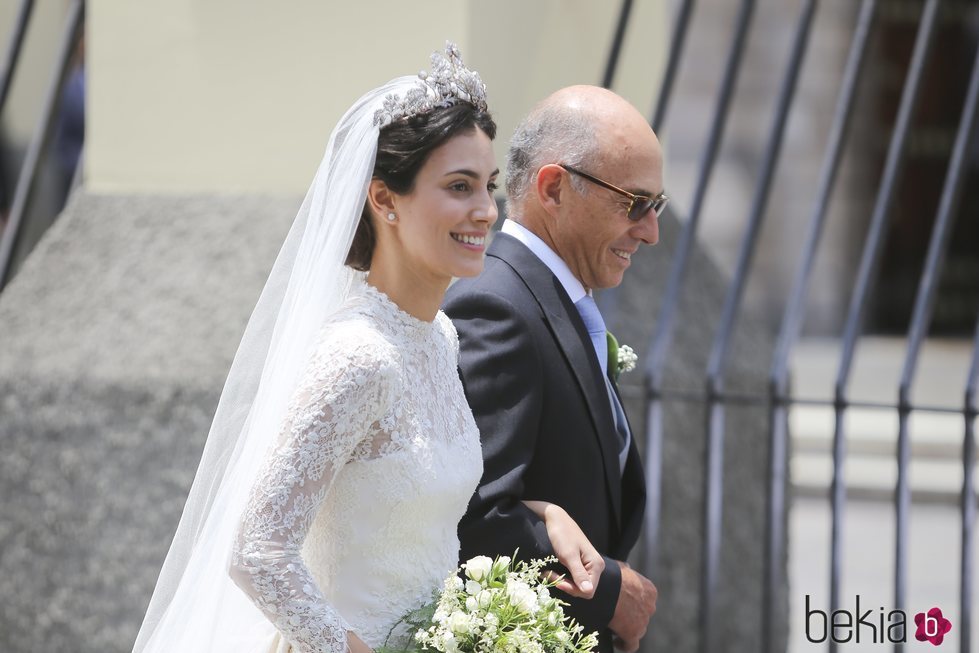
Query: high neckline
x: 396, y: 313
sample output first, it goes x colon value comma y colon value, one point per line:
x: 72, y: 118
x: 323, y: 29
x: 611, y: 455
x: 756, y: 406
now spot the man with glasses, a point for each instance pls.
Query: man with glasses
x: 584, y: 190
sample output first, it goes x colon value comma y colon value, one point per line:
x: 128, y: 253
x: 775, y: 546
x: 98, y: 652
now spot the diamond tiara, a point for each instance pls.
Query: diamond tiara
x: 448, y: 82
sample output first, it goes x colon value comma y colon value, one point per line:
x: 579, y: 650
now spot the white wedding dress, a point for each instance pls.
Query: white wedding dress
x: 352, y: 522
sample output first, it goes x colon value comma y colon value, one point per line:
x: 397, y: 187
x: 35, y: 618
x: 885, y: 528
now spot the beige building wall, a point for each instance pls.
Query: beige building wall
x: 227, y: 96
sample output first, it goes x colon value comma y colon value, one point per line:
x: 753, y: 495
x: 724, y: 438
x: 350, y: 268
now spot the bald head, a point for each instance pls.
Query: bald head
x: 581, y: 126
x: 603, y: 107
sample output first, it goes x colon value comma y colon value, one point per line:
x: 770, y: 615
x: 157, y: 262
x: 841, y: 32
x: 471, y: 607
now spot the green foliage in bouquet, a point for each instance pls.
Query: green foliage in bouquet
x: 503, y: 606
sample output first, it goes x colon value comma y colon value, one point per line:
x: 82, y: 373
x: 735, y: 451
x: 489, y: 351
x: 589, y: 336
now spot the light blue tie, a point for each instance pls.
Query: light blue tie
x: 595, y: 326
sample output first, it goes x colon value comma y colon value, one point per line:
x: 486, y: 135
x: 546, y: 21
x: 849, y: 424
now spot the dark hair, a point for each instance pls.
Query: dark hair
x: 402, y: 149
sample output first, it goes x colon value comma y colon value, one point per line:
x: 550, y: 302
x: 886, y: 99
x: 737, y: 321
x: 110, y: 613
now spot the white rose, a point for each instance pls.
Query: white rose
x: 521, y: 596
x: 484, y: 598
x: 528, y: 601
x: 459, y: 622
x: 478, y: 568
x: 449, y: 644
x: 472, y: 604
x: 502, y: 564
x: 514, y: 586
x: 472, y: 587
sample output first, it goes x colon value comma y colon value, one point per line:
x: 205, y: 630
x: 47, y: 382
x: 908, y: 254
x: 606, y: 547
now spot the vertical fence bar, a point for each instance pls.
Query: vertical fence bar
x: 660, y: 340
x: 837, y: 503
x: 714, y: 480
x: 672, y: 64
x: 927, y: 292
x: 32, y: 161
x: 616, y: 50
x: 712, y: 528
x: 735, y: 293
x: 654, y: 486
x: 14, y: 46
x: 795, y: 308
x: 775, y: 527
x: 868, y: 264
x: 664, y: 325
x: 969, y: 499
x: 893, y: 167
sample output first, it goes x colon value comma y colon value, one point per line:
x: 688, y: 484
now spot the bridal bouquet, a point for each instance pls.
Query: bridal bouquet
x: 502, y: 606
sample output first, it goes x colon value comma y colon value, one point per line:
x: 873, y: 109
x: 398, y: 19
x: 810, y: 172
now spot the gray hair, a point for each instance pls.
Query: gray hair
x: 550, y: 134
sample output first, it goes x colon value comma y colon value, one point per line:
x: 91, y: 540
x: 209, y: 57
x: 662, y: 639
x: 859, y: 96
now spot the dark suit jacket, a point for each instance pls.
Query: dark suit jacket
x: 547, y: 430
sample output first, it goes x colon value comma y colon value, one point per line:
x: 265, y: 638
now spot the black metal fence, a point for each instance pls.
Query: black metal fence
x: 12, y: 229
x: 779, y: 398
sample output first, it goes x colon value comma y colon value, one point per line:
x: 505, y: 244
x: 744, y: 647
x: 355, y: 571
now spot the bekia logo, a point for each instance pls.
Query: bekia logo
x: 873, y: 626
x: 931, y: 626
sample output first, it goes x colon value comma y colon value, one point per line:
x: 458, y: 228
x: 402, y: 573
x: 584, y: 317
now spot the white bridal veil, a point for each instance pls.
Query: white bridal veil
x: 196, y: 606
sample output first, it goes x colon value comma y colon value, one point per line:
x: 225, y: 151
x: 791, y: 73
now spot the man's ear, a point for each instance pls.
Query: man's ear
x: 381, y: 200
x: 551, y: 188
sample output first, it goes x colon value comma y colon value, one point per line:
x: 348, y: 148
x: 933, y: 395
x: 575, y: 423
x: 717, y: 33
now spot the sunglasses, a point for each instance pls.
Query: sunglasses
x: 639, y: 205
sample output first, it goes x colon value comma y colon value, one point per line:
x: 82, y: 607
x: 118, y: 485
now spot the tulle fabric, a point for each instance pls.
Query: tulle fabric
x: 196, y: 606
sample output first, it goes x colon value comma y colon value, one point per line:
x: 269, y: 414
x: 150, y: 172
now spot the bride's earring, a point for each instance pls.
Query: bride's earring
x: 392, y: 217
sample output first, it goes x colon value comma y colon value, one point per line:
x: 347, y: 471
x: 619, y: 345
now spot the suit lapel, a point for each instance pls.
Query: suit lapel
x: 633, y: 487
x: 572, y: 338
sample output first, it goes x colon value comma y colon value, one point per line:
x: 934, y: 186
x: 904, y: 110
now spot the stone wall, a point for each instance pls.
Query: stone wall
x: 116, y: 337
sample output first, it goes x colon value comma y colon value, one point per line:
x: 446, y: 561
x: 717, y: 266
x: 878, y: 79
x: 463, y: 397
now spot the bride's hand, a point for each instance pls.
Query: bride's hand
x: 573, y: 550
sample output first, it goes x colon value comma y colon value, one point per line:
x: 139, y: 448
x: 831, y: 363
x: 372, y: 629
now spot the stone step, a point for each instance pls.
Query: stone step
x: 871, y: 453
x: 875, y: 431
x: 874, y: 477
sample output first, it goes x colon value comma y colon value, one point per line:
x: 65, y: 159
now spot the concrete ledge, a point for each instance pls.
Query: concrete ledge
x: 116, y: 337
x: 98, y: 473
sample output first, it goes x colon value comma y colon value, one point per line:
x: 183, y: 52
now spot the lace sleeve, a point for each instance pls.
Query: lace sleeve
x: 343, y: 394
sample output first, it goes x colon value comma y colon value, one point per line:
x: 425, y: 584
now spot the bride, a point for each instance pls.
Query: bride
x: 343, y: 453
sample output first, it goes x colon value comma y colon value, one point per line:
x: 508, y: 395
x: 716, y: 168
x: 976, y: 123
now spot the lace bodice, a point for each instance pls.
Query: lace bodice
x: 352, y: 522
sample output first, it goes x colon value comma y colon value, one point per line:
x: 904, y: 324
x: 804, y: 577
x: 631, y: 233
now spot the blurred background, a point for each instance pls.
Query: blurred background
x: 807, y: 326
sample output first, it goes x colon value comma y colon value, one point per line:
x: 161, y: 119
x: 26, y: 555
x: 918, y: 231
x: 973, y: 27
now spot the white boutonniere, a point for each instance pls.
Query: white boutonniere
x: 621, y: 358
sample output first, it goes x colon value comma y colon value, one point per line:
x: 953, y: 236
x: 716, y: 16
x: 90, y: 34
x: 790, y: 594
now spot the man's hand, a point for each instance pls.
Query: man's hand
x: 637, y: 603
